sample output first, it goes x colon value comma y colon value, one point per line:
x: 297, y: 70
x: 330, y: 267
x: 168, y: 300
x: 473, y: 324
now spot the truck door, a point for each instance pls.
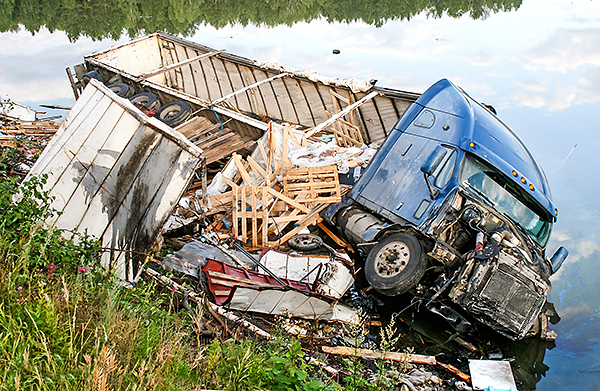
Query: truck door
x: 398, y: 188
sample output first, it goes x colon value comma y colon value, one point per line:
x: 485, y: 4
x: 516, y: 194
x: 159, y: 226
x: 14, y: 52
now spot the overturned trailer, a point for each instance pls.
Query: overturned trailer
x: 242, y: 93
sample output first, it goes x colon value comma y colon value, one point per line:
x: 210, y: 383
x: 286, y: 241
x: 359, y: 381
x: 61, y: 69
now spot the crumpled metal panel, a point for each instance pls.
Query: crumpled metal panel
x: 289, y: 303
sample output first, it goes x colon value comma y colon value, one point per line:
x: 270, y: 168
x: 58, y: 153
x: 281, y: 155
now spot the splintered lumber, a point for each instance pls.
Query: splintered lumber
x: 194, y: 126
x: 379, y: 355
x: 7, y: 141
x: 342, y: 113
x: 36, y: 128
x: 333, y: 236
x: 393, y: 356
x: 307, y: 220
x: 346, y: 132
x: 320, y: 183
x: 215, y: 141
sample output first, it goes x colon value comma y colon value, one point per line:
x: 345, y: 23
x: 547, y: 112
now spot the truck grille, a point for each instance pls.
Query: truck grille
x: 506, y: 299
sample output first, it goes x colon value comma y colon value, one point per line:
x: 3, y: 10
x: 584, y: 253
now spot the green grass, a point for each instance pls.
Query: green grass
x: 66, y: 325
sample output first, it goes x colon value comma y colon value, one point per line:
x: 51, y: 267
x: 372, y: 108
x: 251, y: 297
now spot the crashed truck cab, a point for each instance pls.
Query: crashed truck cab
x: 455, y: 209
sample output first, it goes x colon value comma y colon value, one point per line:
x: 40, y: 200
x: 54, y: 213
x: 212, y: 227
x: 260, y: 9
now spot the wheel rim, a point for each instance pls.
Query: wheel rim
x: 392, y: 259
x: 172, y: 113
x: 306, y: 240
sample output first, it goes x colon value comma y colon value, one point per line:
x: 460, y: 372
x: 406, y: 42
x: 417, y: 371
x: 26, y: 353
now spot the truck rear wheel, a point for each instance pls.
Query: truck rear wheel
x: 395, y: 264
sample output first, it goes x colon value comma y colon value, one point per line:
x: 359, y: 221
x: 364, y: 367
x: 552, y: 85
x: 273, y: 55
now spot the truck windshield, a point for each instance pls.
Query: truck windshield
x: 506, y: 197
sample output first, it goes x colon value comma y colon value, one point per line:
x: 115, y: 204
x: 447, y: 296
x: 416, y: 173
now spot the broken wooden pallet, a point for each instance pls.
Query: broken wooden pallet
x: 321, y: 184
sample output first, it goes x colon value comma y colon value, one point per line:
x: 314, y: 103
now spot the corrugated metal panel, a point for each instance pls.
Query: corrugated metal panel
x: 116, y: 174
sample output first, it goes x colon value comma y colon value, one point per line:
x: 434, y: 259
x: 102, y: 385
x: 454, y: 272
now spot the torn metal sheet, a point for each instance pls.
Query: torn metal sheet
x: 277, y: 301
x: 245, y: 290
x: 331, y: 276
x: 116, y: 174
x: 16, y: 111
x: 193, y: 256
x: 298, y: 98
x: 486, y: 374
x: 223, y: 278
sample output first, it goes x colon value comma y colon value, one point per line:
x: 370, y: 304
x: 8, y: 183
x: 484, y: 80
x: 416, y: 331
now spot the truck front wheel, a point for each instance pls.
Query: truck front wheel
x: 395, y: 264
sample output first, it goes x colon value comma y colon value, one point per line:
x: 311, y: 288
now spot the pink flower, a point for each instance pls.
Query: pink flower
x: 51, y: 267
x: 19, y: 288
x: 82, y: 270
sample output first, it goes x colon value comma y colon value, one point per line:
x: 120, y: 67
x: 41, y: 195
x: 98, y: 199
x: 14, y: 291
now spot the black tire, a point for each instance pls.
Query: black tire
x: 147, y: 99
x: 395, y: 264
x: 174, y: 113
x: 123, y: 90
x: 305, y: 242
x: 91, y: 75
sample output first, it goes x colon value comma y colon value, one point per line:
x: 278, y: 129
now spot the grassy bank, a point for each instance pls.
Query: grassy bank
x: 66, y: 325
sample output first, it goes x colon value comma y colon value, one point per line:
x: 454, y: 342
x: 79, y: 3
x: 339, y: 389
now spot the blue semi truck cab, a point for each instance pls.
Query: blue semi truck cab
x: 455, y: 209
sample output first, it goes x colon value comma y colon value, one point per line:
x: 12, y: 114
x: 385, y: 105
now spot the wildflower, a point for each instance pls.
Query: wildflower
x: 19, y: 301
x: 82, y: 270
x: 51, y: 267
x: 19, y: 288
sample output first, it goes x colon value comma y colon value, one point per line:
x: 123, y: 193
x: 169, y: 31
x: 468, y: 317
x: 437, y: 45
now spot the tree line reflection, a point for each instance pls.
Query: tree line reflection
x: 100, y: 19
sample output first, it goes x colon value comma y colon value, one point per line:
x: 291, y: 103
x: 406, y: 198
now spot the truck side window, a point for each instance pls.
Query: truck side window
x: 445, y: 173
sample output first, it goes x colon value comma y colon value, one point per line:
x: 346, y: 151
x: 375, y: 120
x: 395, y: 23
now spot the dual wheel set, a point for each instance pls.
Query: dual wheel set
x: 171, y: 114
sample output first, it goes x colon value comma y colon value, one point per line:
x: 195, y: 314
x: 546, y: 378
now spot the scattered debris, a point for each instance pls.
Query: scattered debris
x: 16, y: 111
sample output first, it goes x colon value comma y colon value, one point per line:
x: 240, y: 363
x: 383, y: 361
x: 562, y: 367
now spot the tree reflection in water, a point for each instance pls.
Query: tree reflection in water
x: 112, y: 18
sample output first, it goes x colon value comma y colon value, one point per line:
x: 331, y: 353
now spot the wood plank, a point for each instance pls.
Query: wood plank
x: 242, y: 169
x: 333, y: 236
x: 321, y: 184
x: 312, y: 217
x: 379, y: 355
x: 243, y: 90
x: 288, y: 200
x: 342, y: 113
x: 194, y: 126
